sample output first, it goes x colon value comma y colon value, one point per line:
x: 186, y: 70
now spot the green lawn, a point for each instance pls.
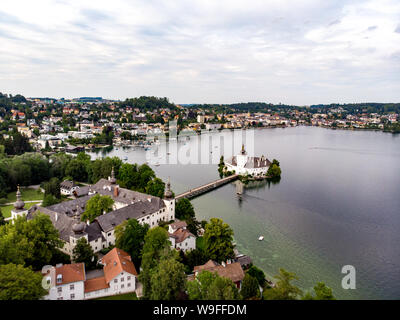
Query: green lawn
x: 28, y: 194
x: 126, y: 296
x: 6, y: 210
x: 200, y: 243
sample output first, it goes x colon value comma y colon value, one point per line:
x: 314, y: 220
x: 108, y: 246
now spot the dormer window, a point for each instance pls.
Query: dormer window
x: 59, y: 278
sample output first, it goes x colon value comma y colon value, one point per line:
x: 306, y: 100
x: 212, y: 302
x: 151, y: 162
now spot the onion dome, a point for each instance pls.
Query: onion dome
x: 168, y: 193
x: 112, y: 179
x: 78, y: 227
x: 19, y: 204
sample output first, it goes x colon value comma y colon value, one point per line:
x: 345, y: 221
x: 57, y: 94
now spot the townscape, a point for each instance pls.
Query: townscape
x: 76, y: 124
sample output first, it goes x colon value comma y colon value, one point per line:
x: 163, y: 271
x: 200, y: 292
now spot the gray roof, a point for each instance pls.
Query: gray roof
x: 136, y: 210
x: 67, y: 184
x: 82, y: 191
x: 252, y: 162
x: 70, y: 207
x: 126, y: 196
x: 63, y: 214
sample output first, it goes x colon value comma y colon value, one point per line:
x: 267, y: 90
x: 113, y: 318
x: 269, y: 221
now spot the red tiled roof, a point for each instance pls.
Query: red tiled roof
x: 96, y: 284
x: 115, y: 262
x: 71, y: 273
x: 231, y: 271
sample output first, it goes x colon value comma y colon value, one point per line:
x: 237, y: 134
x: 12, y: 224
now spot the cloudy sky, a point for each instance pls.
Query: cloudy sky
x: 206, y: 51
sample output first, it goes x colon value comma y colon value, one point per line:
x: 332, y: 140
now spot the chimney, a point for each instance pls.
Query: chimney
x: 56, y: 216
x: 116, y: 191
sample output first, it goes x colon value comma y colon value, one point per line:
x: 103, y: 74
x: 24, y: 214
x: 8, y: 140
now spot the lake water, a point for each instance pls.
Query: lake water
x: 338, y: 203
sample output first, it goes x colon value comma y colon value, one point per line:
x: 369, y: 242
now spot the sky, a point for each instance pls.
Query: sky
x: 208, y: 51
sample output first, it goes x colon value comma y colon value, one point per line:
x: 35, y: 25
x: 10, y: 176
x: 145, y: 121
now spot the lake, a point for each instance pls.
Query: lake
x: 337, y: 203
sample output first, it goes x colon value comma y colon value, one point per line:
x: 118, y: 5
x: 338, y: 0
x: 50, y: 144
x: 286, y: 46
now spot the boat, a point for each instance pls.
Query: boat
x: 260, y: 238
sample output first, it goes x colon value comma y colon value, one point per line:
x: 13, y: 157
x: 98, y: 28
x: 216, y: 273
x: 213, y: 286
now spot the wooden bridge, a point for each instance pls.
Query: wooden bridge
x: 207, y: 187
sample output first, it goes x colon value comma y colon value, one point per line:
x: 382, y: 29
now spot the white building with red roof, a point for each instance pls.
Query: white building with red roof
x: 65, y: 282
x: 118, y: 276
x: 71, y: 282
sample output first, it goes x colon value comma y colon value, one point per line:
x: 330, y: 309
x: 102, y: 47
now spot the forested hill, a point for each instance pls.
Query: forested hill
x: 8, y: 101
x: 369, y: 107
x: 148, y: 103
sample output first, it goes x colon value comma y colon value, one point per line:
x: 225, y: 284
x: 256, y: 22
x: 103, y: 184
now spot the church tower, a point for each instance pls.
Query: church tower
x: 19, y: 210
x: 169, y: 201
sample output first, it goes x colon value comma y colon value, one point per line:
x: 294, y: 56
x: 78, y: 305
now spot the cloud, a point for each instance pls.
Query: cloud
x: 301, y: 52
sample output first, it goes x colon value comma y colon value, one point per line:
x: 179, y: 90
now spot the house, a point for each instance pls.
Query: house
x: 180, y: 237
x: 65, y: 282
x: 68, y: 187
x: 118, y: 276
x: 72, y: 282
x: 232, y: 271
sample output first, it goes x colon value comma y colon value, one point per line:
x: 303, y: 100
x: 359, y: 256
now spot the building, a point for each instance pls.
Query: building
x: 68, y: 187
x: 180, y: 237
x: 232, y: 271
x: 244, y: 165
x: 118, y: 276
x: 65, y: 282
x: 72, y: 282
x: 19, y: 210
x: 99, y: 234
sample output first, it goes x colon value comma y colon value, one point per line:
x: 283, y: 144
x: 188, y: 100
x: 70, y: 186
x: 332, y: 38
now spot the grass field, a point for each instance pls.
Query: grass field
x: 126, y: 296
x: 6, y: 210
x: 28, y: 194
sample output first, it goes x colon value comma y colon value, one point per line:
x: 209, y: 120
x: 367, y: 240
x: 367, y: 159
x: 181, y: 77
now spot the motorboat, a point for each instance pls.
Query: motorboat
x: 260, y: 238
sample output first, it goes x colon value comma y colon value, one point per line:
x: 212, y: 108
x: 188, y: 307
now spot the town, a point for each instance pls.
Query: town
x: 89, y: 122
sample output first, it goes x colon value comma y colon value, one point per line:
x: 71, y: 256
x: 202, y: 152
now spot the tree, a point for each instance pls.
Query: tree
x: 156, y: 187
x: 196, y: 257
x: 2, y: 220
x: 19, y: 283
x: 322, y: 292
x: 218, y: 237
x: 184, y: 209
x: 250, y: 287
x: 274, y: 171
x: 156, y: 245
x: 52, y: 187
x: 49, y: 200
x: 77, y: 170
x: 128, y: 175
x: 43, y: 236
x: 96, y: 206
x: 14, y: 247
x: 258, y: 274
x: 168, y: 280
x: 283, y: 289
x: 129, y: 236
x: 210, y: 286
x: 83, y: 252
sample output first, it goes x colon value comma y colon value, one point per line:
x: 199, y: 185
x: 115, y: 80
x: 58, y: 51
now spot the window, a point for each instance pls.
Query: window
x: 122, y: 286
x: 129, y: 284
x: 129, y: 278
x: 60, y: 298
x: 122, y: 279
x: 115, y: 280
x: 72, y: 296
x: 59, y: 289
x: 109, y: 234
x: 72, y: 287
